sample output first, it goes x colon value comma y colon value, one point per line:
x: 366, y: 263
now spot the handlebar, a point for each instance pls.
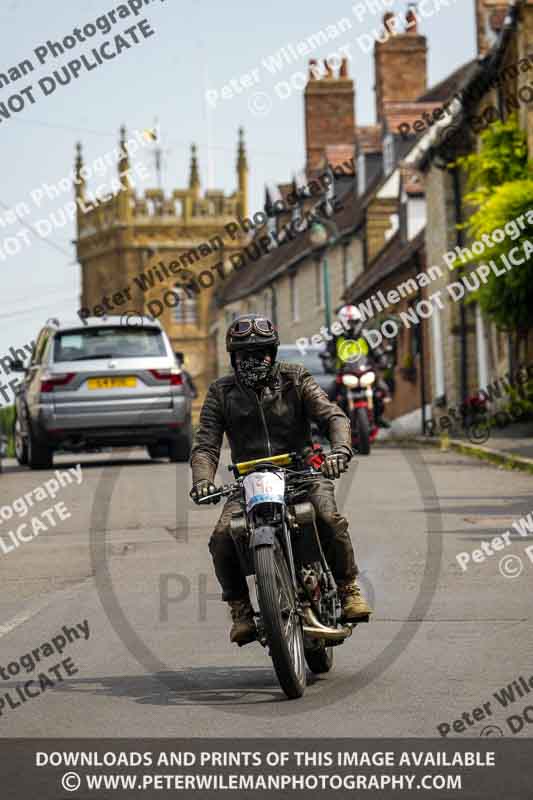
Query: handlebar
x: 309, y: 473
x: 222, y: 491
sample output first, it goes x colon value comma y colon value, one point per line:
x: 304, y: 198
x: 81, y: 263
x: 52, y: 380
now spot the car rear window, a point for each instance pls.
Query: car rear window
x: 311, y: 360
x: 109, y: 342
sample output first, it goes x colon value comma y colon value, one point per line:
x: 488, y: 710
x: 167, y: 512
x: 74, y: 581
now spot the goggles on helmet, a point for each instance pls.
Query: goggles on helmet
x: 244, y: 327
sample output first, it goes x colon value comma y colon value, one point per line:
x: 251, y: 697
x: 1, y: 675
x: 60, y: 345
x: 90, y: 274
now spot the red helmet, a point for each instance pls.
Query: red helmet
x: 350, y: 314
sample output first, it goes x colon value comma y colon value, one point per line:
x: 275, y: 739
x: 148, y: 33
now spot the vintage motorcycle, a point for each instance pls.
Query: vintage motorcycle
x: 356, y: 394
x: 277, y: 540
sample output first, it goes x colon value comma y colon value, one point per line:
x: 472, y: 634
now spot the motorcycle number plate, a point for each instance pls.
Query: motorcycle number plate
x: 264, y: 487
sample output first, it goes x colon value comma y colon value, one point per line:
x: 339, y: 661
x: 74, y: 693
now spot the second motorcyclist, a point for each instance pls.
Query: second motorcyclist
x: 350, y: 346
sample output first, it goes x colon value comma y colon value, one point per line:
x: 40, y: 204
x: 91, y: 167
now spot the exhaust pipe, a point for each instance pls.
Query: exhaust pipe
x: 315, y: 630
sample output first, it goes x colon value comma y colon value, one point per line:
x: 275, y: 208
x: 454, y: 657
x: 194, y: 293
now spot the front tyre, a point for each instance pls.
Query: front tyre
x: 283, y: 627
x: 363, y: 430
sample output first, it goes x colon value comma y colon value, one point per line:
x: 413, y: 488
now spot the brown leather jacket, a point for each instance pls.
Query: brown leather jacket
x: 277, y: 422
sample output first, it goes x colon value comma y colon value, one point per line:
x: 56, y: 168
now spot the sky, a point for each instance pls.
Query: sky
x: 177, y: 74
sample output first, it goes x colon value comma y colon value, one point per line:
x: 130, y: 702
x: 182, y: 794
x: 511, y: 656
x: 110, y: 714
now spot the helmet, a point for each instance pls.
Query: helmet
x: 252, y: 332
x: 348, y: 315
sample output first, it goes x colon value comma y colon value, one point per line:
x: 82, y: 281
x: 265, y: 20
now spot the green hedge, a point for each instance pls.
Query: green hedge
x: 7, y: 418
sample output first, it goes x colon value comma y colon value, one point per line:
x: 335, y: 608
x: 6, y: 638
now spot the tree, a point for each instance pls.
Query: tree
x: 500, y: 189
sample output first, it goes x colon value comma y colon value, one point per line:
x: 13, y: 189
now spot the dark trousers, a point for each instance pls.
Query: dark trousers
x: 332, y: 529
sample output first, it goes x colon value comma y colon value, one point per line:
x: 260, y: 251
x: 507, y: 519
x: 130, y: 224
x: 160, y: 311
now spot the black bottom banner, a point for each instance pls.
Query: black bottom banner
x: 247, y: 768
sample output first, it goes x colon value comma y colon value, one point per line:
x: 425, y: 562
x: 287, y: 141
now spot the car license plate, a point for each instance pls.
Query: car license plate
x: 112, y: 383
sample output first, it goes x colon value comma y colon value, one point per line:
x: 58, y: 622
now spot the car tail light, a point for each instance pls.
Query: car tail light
x: 50, y: 381
x: 174, y: 377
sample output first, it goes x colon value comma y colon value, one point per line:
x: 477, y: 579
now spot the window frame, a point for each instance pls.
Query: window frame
x: 186, y: 308
x: 293, y: 298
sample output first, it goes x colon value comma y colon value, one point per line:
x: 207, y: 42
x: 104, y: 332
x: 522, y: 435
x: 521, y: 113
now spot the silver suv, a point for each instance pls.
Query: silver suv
x: 100, y: 384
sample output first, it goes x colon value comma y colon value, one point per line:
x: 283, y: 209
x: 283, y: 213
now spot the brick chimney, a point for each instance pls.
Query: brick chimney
x: 490, y: 15
x: 329, y: 110
x: 400, y: 65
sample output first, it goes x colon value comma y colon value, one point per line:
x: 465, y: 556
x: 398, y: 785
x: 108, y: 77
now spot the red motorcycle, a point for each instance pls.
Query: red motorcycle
x: 356, y: 395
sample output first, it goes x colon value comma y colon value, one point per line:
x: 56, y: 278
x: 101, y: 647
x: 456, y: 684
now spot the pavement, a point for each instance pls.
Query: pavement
x: 510, y: 447
x: 517, y: 440
x: 131, y: 562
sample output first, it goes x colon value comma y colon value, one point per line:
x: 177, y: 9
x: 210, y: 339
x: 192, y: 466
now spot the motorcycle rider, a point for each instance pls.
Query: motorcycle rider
x: 265, y: 408
x: 350, y: 346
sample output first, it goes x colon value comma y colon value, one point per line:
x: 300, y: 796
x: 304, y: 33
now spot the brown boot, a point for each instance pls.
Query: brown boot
x: 354, y: 606
x: 243, y: 629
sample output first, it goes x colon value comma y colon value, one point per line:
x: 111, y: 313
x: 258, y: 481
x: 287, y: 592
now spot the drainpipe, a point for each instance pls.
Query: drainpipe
x: 459, y: 238
x: 423, y: 398
x: 327, y: 299
x: 274, y: 304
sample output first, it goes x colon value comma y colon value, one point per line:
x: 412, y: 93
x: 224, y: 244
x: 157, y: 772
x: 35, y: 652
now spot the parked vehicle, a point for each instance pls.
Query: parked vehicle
x: 277, y: 541
x: 355, y: 387
x: 101, y: 384
x: 312, y: 361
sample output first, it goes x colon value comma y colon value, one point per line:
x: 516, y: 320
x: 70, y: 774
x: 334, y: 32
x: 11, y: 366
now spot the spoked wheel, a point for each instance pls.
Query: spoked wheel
x: 282, y: 623
x: 319, y: 658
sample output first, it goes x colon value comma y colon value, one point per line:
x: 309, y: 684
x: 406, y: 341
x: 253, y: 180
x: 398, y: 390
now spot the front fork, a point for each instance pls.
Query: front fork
x: 361, y: 399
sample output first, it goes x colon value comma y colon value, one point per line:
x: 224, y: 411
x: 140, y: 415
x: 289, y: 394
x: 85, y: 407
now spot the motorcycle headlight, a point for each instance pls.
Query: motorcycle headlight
x: 351, y: 381
x: 368, y: 378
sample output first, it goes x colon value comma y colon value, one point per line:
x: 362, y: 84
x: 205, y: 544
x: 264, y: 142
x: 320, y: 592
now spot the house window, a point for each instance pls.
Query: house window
x: 186, y: 311
x: 319, y: 283
x: 361, y: 174
x: 293, y: 290
x: 388, y: 154
x: 272, y: 228
x: 299, y: 222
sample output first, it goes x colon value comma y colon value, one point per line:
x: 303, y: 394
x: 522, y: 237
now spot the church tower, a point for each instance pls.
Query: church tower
x: 163, y: 252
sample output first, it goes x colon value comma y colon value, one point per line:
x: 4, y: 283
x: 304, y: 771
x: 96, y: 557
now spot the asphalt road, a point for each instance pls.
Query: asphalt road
x: 132, y: 560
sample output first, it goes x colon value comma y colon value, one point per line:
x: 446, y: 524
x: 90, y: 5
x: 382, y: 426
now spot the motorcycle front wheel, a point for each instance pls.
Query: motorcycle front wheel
x: 283, y: 627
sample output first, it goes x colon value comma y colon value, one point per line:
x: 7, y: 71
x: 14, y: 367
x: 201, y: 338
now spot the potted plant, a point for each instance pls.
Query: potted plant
x: 408, y: 369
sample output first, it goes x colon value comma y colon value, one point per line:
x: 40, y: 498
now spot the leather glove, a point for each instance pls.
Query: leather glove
x: 203, y: 489
x: 334, y: 465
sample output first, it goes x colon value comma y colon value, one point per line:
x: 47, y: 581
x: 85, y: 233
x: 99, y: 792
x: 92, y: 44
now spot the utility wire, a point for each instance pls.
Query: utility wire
x: 179, y: 143
x: 30, y: 227
x: 32, y: 309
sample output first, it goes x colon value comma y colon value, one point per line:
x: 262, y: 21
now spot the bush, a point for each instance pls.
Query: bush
x: 500, y: 184
x: 521, y: 402
x: 7, y: 419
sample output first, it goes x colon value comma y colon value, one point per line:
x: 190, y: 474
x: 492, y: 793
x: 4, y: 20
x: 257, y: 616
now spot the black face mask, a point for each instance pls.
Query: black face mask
x: 253, y: 369
x: 355, y: 329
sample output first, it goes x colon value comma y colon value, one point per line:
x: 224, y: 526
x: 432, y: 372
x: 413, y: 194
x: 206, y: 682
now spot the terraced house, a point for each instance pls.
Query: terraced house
x: 400, y: 211
x: 379, y: 224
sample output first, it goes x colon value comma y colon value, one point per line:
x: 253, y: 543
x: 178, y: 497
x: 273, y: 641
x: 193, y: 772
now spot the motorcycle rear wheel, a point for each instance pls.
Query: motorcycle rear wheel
x: 363, y: 431
x: 282, y: 623
x: 319, y: 659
